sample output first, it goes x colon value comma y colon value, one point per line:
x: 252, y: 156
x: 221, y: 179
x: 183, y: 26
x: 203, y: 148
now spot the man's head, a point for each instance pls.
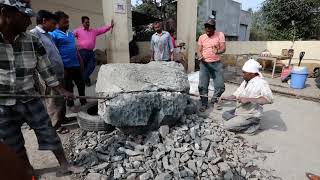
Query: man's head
x: 210, y: 27
x: 63, y: 20
x: 15, y: 15
x: 157, y: 26
x: 47, y: 19
x: 85, y: 22
x: 251, y: 69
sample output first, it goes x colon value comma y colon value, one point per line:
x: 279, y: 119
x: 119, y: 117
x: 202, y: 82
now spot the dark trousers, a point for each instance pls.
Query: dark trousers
x: 212, y: 70
x: 89, y: 62
x: 74, y: 75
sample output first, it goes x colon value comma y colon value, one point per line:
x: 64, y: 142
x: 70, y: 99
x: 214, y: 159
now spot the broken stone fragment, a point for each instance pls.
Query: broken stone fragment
x: 101, y: 166
x: 265, y: 149
x: 192, y: 166
x: 129, y: 152
x: 146, y: 176
x: 185, y: 157
x: 224, y: 167
x: 217, y: 160
x: 199, y: 153
x: 132, y: 176
x: 164, y: 130
x: 163, y: 176
x: 182, y: 149
x: 153, y: 138
x: 160, y: 154
x: 228, y: 175
x: 93, y: 176
x: 205, y: 145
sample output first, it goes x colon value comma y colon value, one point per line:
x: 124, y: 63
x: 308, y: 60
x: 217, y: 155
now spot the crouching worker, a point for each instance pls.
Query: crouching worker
x: 252, y: 94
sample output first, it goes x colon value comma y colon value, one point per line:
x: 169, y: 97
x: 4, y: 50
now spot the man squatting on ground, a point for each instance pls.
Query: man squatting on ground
x: 253, y: 93
x: 21, y: 55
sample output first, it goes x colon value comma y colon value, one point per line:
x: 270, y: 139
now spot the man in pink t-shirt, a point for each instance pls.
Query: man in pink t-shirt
x: 86, y: 42
x: 211, y: 45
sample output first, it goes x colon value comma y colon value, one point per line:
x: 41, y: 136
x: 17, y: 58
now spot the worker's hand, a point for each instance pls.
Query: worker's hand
x: 112, y: 23
x: 244, y: 100
x: 66, y: 94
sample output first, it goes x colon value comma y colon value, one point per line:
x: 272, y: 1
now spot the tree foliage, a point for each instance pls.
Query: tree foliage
x: 276, y: 17
x: 162, y: 9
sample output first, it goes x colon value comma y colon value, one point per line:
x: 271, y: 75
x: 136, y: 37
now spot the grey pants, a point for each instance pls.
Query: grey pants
x: 242, y: 124
x: 212, y: 70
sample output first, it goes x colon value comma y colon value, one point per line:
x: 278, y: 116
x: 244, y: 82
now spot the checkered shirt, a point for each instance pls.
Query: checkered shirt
x: 19, y: 62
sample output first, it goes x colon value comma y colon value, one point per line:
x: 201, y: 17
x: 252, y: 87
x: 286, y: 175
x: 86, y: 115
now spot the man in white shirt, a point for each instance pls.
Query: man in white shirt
x: 253, y: 93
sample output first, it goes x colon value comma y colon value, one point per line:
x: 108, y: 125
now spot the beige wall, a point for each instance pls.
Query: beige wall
x: 256, y: 47
x: 75, y: 9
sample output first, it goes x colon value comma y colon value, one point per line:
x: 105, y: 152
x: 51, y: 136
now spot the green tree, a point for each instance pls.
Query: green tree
x: 258, y: 29
x: 279, y: 15
x: 163, y: 9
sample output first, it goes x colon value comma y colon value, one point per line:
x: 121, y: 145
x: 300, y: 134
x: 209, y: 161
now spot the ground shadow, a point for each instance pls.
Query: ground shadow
x: 272, y: 120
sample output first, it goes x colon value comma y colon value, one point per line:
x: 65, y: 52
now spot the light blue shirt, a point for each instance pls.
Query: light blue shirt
x: 161, y: 45
x: 51, y: 49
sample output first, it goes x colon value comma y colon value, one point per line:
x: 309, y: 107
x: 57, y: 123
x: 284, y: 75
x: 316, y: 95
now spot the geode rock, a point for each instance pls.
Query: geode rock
x: 151, y: 94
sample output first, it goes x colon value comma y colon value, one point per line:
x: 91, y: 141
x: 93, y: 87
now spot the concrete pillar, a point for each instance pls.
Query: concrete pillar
x: 187, y: 28
x: 118, y: 40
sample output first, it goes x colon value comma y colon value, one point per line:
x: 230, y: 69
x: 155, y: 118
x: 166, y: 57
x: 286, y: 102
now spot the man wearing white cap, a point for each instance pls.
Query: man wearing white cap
x: 251, y: 95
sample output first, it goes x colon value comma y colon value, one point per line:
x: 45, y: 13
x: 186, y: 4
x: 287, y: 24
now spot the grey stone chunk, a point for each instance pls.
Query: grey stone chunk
x: 224, y: 167
x: 160, y: 155
x: 136, y: 164
x: 199, y: 153
x: 101, y: 166
x: 145, y: 176
x: 205, y: 145
x: 93, y: 176
x: 132, y: 176
x: 129, y: 152
x: 243, y: 172
x: 185, y: 157
x: 140, y: 96
x: 116, y: 173
x: 265, y: 149
x: 182, y: 149
x: 192, y: 165
x: 164, y: 130
x: 228, y: 175
x: 213, y: 138
x: 217, y: 160
x: 153, y: 138
x: 163, y: 176
x: 214, y: 169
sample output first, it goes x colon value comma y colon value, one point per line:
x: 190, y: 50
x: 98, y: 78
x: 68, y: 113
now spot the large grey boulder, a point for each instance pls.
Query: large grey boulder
x: 151, y: 94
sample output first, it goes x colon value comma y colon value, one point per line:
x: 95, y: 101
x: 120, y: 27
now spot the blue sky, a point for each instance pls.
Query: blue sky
x: 246, y: 4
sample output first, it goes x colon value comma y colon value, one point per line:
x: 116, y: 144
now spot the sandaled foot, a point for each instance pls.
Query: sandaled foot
x: 203, y: 108
x: 312, y: 176
x: 63, y: 130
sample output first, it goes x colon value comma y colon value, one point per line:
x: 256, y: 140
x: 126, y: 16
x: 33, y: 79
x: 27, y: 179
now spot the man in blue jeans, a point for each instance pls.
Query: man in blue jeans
x: 211, y: 45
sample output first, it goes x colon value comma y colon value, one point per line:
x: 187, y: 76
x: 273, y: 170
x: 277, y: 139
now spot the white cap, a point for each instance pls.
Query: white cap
x: 251, y: 66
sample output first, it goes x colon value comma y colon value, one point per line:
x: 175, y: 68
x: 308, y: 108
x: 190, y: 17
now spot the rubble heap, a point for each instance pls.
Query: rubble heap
x: 198, y: 148
x: 151, y: 94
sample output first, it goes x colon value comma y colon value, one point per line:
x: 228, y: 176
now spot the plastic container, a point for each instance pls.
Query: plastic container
x: 299, y: 76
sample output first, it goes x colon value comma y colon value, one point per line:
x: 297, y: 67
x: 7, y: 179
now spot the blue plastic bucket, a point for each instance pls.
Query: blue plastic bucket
x: 299, y: 77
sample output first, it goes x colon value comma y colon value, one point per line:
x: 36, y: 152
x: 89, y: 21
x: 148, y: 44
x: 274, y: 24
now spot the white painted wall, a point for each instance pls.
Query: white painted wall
x: 75, y: 9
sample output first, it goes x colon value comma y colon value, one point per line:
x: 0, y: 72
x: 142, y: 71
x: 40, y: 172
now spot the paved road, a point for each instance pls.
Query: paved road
x: 290, y: 126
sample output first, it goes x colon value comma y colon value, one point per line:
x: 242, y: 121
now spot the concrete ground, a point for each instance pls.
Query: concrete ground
x: 290, y: 126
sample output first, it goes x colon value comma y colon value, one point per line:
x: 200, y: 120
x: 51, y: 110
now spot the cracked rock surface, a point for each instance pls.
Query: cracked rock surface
x: 209, y: 153
x: 151, y: 94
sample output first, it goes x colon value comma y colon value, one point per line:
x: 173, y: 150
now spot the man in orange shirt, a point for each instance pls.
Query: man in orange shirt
x: 211, y: 45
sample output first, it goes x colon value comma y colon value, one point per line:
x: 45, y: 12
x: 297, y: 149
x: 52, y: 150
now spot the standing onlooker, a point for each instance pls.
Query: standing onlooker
x: 46, y: 22
x: 211, y: 45
x: 21, y: 55
x: 173, y: 34
x: 86, y: 42
x: 66, y: 44
x: 161, y: 44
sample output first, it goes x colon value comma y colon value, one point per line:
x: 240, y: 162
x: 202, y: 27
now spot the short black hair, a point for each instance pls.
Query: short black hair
x: 61, y: 15
x: 210, y: 26
x: 44, y: 14
x: 9, y: 8
x: 84, y: 18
